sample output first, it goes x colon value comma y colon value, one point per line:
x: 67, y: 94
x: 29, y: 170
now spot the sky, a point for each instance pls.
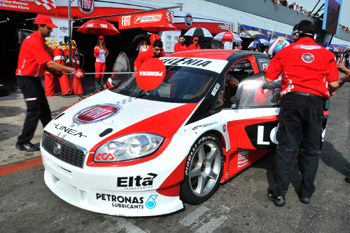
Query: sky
x: 309, y: 5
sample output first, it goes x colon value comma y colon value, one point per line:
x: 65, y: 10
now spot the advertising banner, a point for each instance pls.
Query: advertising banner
x: 143, y: 20
x: 37, y: 6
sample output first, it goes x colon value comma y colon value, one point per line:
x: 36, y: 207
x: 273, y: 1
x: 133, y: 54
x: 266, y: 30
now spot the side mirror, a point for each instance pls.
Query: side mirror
x: 234, y: 101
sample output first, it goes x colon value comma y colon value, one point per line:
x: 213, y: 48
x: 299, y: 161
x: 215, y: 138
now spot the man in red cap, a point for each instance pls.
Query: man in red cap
x: 154, y: 52
x: 195, y: 44
x: 33, y: 60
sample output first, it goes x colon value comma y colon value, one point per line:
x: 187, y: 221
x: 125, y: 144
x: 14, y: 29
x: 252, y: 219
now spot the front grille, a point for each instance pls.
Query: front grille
x: 68, y: 152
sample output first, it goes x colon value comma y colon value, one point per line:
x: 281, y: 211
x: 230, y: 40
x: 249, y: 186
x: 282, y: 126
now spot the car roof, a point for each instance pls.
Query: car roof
x: 222, y: 54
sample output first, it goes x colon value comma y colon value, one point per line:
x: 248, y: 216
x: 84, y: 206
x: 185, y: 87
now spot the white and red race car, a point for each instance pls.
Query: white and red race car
x: 132, y: 152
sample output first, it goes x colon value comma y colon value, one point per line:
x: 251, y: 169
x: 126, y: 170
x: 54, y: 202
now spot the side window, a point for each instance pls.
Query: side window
x: 238, y: 72
x: 241, y: 70
x: 263, y: 63
x: 255, y: 92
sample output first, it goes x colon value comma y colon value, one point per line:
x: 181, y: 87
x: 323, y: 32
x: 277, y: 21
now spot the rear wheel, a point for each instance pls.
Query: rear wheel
x: 203, y: 170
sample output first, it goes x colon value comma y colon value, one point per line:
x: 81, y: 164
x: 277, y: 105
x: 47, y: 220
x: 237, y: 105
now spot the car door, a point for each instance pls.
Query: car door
x: 251, y: 107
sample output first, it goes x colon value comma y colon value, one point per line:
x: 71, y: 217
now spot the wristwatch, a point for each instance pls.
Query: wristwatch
x: 73, y: 71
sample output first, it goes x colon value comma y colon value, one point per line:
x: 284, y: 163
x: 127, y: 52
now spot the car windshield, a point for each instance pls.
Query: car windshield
x: 180, y: 84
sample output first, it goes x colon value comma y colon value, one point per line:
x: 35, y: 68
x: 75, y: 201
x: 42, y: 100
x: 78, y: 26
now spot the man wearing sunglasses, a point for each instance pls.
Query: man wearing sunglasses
x: 33, y: 60
x: 154, y: 51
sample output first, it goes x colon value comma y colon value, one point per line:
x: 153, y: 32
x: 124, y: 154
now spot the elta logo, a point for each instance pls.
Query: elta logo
x: 86, y: 6
x: 105, y: 157
x: 96, y: 113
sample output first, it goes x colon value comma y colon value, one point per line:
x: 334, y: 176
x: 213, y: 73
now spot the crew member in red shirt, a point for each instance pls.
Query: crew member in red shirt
x: 309, y: 74
x: 195, y: 44
x: 180, y: 46
x: 154, y: 51
x: 33, y: 60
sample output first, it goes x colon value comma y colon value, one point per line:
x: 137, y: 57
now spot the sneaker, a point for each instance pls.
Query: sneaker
x: 27, y: 146
x: 277, y: 200
x: 347, y: 179
x: 305, y: 200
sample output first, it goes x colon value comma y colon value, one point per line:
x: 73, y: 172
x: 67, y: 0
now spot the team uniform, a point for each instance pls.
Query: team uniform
x: 179, y: 47
x: 306, y: 69
x: 100, y: 64
x: 32, y: 60
x: 193, y: 46
x: 144, y: 56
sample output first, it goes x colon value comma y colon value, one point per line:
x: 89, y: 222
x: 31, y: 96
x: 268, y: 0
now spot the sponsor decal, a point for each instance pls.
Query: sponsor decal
x: 263, y: 135
x: 308, y: 57
x: 308, y: 47
x: 119, y: 201
x: 96, y: 113
x: 68, y: 130
x: 151, y: 18
x: 214, y: 65
x: 150, y: 74
x: 105, y: 157
x: 64, y: 28
x: 86, y: 6
x: 151, y: 201
x: 243, y: 155
x: 188, y: 20
x: 136, y: 182
x: 204, y: 125
x: 186, y: 61
x: 126, y: 20
x: 215, y: 89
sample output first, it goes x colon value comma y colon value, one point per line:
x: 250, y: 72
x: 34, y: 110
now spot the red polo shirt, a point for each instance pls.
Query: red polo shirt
x: 193, y: 46
x: 144, y: 56
x: 305, y: 67
x: 179, y: 47
x: 32, y: 56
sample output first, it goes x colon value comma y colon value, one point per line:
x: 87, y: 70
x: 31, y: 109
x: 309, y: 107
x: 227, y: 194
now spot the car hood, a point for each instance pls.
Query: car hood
x: 107, y: 115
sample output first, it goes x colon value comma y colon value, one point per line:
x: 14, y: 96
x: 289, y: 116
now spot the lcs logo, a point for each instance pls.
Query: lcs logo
x: 104, y: 157
x: 263, y: 135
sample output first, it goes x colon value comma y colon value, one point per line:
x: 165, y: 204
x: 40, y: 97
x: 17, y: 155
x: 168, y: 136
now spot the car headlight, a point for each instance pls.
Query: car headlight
x: 128, y: 147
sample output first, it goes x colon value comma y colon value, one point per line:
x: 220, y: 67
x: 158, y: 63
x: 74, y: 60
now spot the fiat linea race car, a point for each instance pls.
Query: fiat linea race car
x: 132, y: 151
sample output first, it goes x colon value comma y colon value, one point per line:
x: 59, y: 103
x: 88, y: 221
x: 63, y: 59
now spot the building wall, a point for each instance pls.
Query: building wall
x: 259, y: 13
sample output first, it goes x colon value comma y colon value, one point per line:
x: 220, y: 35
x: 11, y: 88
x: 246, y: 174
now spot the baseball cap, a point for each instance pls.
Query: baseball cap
x: 101, y: 37
x: 44, y: 19
x: 195, y: 38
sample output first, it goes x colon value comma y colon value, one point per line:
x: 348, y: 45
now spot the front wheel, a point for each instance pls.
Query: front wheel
x: 203, y: 170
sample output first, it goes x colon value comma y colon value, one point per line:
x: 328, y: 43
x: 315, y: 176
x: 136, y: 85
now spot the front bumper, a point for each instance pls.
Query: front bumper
x: 94, y: 189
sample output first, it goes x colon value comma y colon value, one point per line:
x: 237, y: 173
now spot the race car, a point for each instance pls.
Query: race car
x: 132, y: 151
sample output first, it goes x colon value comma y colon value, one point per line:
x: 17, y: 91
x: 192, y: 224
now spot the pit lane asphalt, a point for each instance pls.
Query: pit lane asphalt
x: 240, y: 205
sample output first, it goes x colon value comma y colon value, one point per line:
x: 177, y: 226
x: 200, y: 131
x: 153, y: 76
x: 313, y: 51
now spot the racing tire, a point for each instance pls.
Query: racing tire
x: 203, y: 170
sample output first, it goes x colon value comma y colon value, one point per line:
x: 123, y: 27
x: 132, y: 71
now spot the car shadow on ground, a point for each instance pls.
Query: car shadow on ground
x: 8, y: 131
x: 330, y: 156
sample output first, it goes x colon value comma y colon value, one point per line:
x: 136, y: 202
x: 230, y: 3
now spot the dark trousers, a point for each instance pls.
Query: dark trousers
x: 37, y: 106
x: 299, y: 133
